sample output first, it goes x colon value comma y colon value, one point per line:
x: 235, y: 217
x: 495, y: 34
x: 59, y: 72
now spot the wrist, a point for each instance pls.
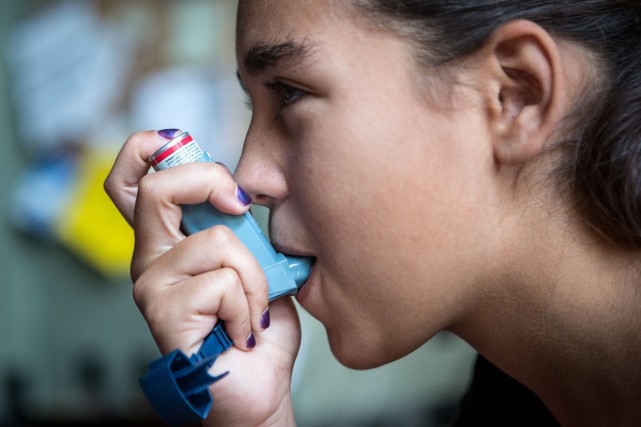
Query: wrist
x: 280, y: 414
x: 283, y: 416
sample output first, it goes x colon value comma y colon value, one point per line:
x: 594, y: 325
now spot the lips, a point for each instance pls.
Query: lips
x: 288, y: 250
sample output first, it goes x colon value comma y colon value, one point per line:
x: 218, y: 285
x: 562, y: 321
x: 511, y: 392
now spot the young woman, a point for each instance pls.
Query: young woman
x: 469, y: 166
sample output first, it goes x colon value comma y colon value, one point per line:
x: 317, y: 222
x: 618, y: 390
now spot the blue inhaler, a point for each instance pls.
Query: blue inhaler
x: 177, y: 386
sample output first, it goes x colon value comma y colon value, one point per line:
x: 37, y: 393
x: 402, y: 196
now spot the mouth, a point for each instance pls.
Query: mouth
x: 300, y: 263
x: 302, y: 294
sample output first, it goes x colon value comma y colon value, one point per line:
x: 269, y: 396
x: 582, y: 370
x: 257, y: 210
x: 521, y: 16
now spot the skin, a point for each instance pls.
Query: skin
x: 361, y: 188
x: 426, y: 201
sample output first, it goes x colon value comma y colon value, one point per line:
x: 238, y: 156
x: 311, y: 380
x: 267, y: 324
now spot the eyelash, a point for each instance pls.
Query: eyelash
x: 282, y: 91
x: 285, y: 93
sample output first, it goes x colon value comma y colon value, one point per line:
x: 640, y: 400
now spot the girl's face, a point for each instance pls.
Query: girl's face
x: 372, y: 165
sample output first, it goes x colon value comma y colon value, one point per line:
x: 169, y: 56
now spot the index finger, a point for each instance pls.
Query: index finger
x: 131, y: 165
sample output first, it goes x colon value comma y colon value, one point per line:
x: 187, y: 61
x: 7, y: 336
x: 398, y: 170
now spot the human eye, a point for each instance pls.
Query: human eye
x: 285, y: 93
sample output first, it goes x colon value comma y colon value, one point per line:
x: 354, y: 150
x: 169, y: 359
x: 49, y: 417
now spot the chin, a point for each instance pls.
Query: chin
x: 356, y: 353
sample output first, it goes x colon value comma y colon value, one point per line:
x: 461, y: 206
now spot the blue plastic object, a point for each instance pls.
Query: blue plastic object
x: 177, y: 386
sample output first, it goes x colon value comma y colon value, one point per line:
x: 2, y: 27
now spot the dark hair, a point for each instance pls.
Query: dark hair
x: 601, y: 166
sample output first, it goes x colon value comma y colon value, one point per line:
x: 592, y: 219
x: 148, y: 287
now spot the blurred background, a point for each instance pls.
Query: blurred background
x: 76, y: 79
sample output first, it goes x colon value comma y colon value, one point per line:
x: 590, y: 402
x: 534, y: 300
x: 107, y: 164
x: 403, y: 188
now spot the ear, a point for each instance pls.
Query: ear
x: 528, y: 87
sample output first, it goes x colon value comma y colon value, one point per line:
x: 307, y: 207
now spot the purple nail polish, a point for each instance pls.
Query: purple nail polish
x: 168, y: 133
x: 265, y: 319
x: 251, y: 341
x: 242, y: 196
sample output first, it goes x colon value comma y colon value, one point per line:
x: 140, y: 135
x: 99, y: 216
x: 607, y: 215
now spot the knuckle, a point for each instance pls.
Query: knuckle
x: 136, y: 138
x: 148, y: 188
x: 108, y: 185
x: 151, y: 309
x: 231, y: 281
x: 216, y: 173
x: 134, y: 273
x: 219, y: 235
x: 222, y: 182
x: 140, y: 263
x: 139, y: 295
x: 222, y: 169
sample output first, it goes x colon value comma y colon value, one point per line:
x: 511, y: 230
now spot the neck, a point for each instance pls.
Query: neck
x: 568, y: 326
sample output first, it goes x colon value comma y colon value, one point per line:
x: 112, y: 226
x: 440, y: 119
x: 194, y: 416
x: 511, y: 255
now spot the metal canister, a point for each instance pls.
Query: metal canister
x: 180, y: 150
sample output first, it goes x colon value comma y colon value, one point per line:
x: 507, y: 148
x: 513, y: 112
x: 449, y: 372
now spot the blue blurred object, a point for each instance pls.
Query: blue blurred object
x: 41, y: 195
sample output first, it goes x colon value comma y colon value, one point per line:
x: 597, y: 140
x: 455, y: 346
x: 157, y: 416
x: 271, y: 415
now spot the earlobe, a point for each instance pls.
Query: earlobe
x: 529, y: 88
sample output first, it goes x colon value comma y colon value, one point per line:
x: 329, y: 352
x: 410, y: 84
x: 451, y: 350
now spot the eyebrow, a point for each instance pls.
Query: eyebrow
x: 263, y: 57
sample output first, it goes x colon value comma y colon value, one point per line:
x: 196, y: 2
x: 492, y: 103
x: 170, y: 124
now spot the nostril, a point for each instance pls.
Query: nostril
x: 262, y: 200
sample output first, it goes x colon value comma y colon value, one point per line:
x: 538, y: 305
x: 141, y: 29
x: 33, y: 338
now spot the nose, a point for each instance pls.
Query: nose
x: 260, y: 170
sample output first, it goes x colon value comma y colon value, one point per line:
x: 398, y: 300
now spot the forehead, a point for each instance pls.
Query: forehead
x: 276, y: 21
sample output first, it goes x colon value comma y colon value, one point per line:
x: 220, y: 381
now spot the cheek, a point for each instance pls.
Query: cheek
x: 391, y: 207
x: 409, y: 172
x: 381, y: 188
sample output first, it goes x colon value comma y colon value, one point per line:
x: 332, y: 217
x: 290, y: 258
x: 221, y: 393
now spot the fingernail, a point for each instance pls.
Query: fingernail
x: 168, y: 133
x: 265, y: 319
x: 251, y: 341
x: 242, y: 196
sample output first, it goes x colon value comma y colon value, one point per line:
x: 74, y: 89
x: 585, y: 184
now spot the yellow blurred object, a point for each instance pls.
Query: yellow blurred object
x: 91, y: 226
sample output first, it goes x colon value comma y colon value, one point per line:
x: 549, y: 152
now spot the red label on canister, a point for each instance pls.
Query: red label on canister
x: 180, y: 150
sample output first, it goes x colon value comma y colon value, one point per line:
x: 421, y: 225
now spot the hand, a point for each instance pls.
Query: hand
x: 184, y: 285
